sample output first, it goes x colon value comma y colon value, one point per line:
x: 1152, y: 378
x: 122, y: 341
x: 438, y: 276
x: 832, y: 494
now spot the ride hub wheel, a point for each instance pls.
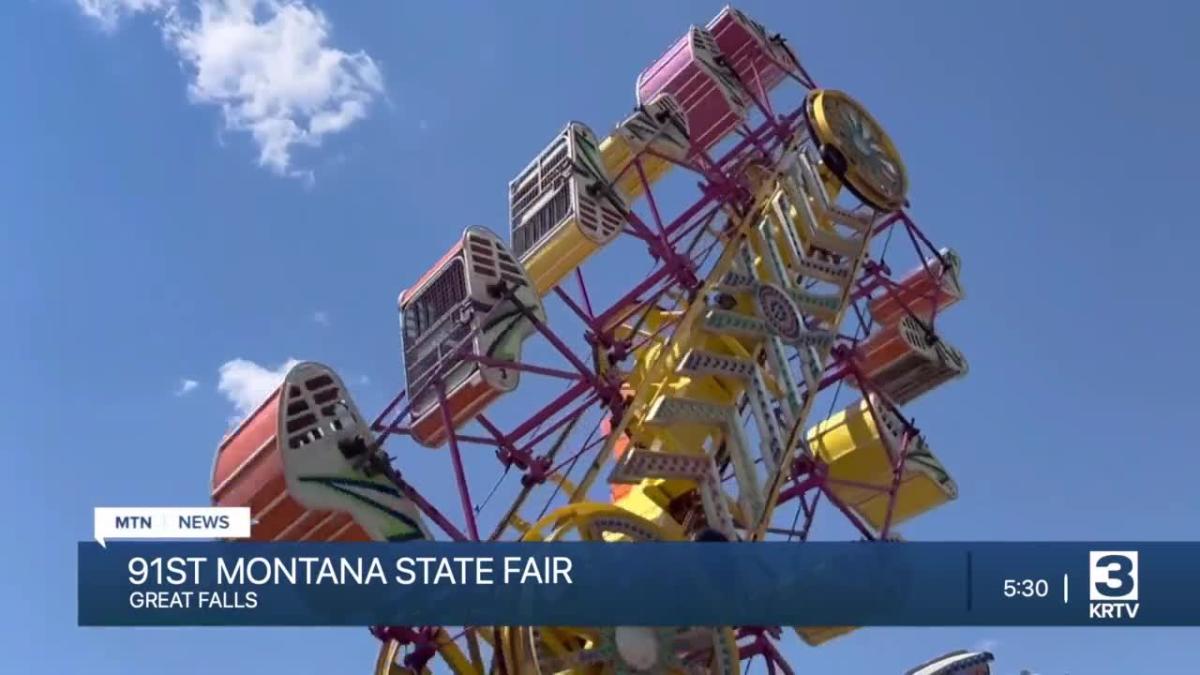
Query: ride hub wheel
x: 621, y: 650
x: 867, y: 161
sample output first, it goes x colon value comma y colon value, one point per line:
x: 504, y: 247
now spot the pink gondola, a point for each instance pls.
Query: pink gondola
x: 694, y: 72
x: 760, y: 60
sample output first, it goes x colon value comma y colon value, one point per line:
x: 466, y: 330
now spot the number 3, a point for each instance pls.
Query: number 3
x: 1119, y: 569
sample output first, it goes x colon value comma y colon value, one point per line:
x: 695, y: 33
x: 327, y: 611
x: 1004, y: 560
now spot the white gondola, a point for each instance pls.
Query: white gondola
x: 562, y: 208
x: 956, y: 663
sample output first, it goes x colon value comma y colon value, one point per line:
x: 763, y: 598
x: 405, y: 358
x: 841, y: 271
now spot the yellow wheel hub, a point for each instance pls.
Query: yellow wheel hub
x: 873, y: 169
x: 623, y: 650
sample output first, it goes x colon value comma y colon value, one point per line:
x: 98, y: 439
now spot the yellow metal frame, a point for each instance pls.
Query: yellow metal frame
x: 800, y: 227
x: 652, y: 496
x: 655, y: 377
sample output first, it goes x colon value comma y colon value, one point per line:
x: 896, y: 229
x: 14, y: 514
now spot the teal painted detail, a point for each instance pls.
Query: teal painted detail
x: 923, y: 457
x: 816, y: 302
x: 405, y: 528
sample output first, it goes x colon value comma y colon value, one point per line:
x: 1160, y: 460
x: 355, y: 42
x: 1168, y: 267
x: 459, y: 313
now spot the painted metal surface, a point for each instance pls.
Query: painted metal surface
x: 688, y: 386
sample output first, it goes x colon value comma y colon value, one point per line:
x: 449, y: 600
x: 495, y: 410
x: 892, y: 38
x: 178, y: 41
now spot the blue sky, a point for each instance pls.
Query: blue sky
x: 159, y: 221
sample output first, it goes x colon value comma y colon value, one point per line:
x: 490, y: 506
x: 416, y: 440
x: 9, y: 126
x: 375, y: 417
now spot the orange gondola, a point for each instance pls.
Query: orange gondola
x: 931, y: 285
x: 302, y: 462
x: 904, y: 360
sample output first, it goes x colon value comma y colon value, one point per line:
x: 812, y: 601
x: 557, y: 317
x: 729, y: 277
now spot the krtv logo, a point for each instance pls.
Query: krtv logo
x: 1113, y: 588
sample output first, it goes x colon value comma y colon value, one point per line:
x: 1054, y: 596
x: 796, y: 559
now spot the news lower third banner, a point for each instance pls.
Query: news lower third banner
x: 645, y: 584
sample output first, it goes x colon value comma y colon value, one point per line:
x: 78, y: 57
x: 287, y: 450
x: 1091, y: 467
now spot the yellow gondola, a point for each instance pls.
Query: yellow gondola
x: 658, y: 126
x: 860, y: 460
x: 815, y: 636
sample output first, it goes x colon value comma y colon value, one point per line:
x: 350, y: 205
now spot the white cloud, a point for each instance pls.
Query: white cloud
x: 108, y: 13
x: 364, y: 380
x: 268, y: 65
x: 246, y: 384
x: 185, y: 387
x: 321, y: 317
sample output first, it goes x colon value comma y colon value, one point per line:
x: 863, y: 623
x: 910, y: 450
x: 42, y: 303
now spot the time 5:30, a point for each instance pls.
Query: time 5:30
x: 1026, y: 588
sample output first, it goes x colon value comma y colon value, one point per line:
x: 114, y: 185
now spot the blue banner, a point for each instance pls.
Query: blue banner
x: 647, y: 584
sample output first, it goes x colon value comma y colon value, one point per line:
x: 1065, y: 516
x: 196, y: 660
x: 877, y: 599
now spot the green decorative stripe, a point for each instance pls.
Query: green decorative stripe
x: 923, y: 458
x: 341, y: 485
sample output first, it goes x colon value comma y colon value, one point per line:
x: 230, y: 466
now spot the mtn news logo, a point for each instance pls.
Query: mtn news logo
x: 1113, y: 584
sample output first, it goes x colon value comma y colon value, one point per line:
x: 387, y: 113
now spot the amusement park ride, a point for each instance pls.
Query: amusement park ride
x: 765, y: 207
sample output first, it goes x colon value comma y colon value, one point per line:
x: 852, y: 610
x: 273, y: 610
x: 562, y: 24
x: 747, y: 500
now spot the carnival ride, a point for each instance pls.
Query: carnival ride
x: 765, y: 213
x: 960, y: 662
